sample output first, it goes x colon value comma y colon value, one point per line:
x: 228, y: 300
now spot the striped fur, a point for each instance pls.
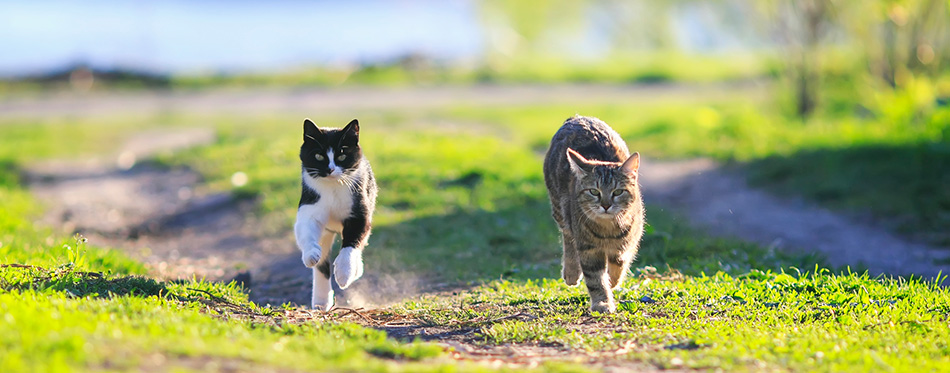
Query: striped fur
x: 592, y: 181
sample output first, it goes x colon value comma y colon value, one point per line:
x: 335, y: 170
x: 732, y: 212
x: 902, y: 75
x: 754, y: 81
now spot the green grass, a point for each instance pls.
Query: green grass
x: 66, y: 306
x: 73, y: 307
x: 71, y: 320
x: 466, y: 203
x: 757, y: 321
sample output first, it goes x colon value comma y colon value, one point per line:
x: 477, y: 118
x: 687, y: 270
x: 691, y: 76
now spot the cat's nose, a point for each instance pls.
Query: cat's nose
x: 606, y: 206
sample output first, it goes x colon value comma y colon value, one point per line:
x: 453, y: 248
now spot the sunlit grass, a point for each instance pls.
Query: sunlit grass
x: 761, y: 320
x: 66, y: 306
x: 181, y: 328
x: 466, y: 203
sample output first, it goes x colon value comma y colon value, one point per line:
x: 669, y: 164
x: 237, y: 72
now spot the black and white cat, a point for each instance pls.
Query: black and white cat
x: 338, y: 197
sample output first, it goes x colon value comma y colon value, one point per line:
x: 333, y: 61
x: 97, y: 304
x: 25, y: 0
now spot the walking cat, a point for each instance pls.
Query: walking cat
x: 338, y: 197
x: 595, y: 200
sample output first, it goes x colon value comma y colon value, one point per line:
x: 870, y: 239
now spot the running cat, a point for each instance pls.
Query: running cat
x: 595, y: 200
x: 338, y: 197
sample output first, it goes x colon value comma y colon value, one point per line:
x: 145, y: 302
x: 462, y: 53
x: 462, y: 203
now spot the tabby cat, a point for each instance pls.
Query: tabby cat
x: 338, y: 197
x: 595, y: 200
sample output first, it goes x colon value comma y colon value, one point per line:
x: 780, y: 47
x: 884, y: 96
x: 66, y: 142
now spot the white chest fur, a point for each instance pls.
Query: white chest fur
x: 335, y: 203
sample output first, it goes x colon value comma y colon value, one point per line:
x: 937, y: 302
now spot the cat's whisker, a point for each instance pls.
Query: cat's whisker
x: 347, y: 180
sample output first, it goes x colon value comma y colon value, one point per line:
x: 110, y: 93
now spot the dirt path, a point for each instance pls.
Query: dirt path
x: 721, y: 201
x: 158, y: 215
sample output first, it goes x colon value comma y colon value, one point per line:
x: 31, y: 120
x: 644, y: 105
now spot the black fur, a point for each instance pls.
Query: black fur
x: 345, y: 141
x: 307, y: 196
x: 356, y: 229
x: 324, y: 268
x: 317, y: 142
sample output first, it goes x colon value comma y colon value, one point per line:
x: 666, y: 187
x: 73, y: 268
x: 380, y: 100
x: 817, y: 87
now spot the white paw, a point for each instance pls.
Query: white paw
x: 312, y: 257
x: 323, y: 304
x: 348, y: 266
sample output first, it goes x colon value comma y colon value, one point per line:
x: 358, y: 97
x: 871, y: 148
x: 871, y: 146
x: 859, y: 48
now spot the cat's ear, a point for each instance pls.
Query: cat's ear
x: 353, y: 127
x: 632, y: 164
x: 310, y: 131
x: 352, y: 131
x: 579, y: 164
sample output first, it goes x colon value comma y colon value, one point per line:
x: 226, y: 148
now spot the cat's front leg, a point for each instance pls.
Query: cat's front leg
x: 307, y: 230
x: 570, y: 263
x: 594, y: 266
x: 348, y: 266
x: 617, y: 267
x: 311, y: 256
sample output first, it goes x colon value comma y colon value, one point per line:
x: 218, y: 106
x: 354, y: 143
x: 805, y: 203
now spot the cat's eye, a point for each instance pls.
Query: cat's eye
x: 618, y: 192
x: 594, y: 192
x: 319, y: 157
x: 341, y: 157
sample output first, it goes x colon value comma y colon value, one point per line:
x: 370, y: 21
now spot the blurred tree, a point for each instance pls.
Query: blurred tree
x: 523, y: 27
x: 539, y: 27
x: 640, y: 24
x: 896, y: 39
x: 912, y: 30
x: 827, y: 46
x: 802, y: 27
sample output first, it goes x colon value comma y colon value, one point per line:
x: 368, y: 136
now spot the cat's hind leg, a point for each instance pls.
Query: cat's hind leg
x: 322, y: 297
x: 594, y: 266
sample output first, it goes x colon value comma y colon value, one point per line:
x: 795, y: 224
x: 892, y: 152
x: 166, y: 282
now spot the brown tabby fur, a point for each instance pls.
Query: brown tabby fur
x: 592, y: 181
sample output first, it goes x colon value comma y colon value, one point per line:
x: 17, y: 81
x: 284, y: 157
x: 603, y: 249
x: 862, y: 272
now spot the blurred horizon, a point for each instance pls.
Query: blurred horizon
x: 233, y: 37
